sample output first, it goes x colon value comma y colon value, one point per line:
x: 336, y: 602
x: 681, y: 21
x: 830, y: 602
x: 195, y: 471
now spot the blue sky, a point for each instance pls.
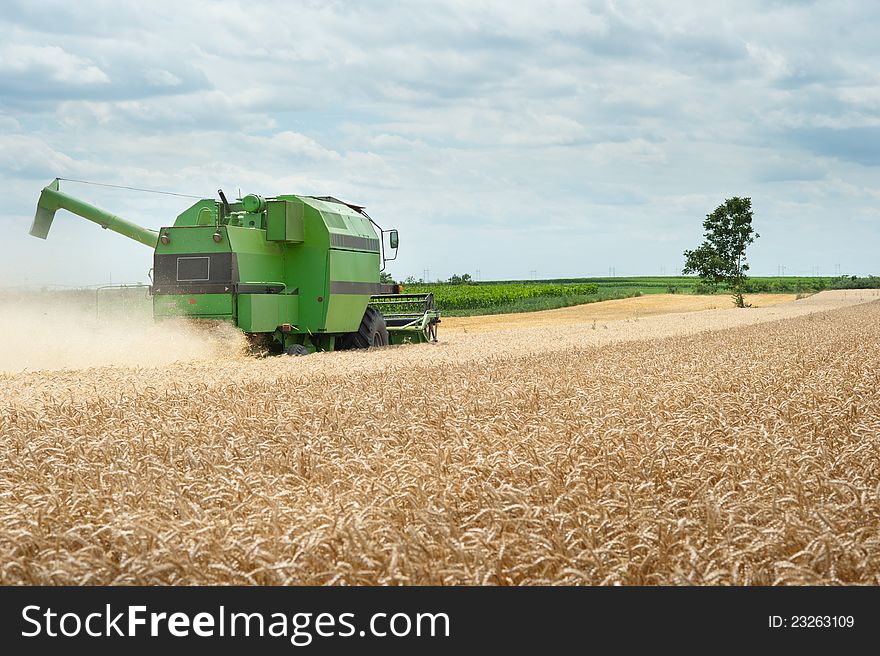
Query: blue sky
x: 560, y: 138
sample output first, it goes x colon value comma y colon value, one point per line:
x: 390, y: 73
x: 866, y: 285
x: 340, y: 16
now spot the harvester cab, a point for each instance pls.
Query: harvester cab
x: 295, y: 273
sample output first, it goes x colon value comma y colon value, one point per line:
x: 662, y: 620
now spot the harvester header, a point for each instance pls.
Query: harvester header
x: 296, y: 273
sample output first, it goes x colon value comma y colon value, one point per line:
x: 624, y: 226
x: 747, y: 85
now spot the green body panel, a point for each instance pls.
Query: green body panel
x: 203, y: 213
x: 397, y: 336
x: 298, y: 268
x: 259, y: 261
x: 204, y: 306
x: 351, y: 272
x: 284, y: 221
x: 195, y: 239
x: 322, y: 259
x: 263, y: 313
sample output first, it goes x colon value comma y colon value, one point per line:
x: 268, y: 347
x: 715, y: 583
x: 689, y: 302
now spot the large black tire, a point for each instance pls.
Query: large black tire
x: 296, y: 350
x: 372, y: 332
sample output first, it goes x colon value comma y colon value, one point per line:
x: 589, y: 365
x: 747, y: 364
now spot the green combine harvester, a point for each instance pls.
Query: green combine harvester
x: 297, y: 274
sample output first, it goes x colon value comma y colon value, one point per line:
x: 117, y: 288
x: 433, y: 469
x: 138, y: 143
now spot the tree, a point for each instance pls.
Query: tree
x: 463, y: 279
x: 721, y: 258
x: 385, y: 277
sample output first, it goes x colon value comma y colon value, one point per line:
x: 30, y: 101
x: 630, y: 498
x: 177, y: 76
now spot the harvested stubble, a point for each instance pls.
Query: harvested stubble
x: 623, y: 308
x: 660, y: 451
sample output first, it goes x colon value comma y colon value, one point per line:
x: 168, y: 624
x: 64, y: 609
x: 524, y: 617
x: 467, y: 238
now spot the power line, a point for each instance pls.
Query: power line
x: 148, y: 191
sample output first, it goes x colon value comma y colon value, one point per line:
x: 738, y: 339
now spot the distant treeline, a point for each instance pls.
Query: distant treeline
x: 683, y: 284
x: 854, y: 282
x: 810, y: 284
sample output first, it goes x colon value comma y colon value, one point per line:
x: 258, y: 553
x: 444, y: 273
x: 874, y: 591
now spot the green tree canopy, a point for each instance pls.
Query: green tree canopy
x: 721, y: 258
x: 463, y: 279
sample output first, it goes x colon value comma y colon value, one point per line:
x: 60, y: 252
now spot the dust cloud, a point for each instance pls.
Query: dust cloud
x: 43, y: 331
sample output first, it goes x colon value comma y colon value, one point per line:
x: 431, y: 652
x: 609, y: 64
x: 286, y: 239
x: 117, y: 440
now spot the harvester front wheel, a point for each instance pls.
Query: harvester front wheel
x: 296, y: 349
x: 372, y: 332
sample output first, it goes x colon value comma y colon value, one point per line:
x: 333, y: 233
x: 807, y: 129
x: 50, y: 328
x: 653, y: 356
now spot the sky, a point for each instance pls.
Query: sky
x: 505, y: 140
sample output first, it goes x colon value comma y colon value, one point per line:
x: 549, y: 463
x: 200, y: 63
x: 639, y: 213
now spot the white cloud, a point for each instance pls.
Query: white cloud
x: 158, y: 77
x: 771, y: 63
x: 61, y: 66
x: 297, y: 145
x: 24, y: 155
x: 9, y: 124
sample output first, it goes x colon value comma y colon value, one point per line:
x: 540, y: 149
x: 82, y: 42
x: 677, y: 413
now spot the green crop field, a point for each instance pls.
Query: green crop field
x: 482, y: 296
x: 493, y: 297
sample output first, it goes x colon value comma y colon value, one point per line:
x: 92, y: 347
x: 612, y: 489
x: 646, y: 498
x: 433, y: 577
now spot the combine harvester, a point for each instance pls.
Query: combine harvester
x: 297, y: 274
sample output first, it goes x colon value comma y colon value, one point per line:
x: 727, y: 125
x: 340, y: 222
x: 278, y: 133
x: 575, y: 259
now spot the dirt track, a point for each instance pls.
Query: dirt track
x: 624, y: 308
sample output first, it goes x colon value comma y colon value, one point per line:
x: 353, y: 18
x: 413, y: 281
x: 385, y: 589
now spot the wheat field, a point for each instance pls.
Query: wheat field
x: 714, y: 447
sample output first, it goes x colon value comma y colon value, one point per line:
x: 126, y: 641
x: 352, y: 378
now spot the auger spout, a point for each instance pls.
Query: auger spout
x: 52, y: 200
